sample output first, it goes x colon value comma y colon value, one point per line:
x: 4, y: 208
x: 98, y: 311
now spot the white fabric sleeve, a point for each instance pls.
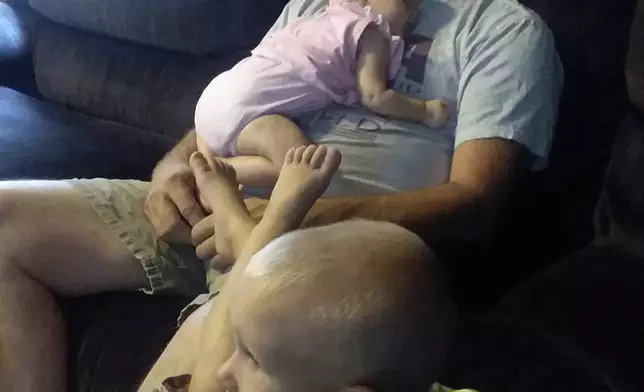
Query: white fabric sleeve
x: 510, y: 83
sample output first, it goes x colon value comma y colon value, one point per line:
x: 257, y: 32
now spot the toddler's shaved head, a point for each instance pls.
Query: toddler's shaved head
x: 352, y: 304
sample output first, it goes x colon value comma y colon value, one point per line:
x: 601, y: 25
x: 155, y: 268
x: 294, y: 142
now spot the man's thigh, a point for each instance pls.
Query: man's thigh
x: 86, y: 236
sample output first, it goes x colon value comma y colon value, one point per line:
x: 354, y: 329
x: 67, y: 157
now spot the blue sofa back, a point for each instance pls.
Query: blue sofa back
x: 142, y: 62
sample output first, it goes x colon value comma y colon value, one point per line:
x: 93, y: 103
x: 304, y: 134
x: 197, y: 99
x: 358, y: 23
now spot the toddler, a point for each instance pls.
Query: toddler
x: 344, y: 55
x: 356, y: 306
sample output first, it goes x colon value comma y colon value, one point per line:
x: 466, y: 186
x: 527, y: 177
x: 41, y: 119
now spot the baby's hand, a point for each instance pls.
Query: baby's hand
x: 437, y: 113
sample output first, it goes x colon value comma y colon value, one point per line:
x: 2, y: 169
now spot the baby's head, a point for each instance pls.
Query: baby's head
x: 355, y: 306
x: 399, y: 13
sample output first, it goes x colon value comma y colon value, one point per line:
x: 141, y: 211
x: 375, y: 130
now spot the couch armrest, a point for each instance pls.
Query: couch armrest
x: 635, y: 61
x: 13, y: 37
x: 19, y: 29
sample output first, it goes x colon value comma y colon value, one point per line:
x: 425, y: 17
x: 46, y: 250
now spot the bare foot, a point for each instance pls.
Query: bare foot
x: 217, y: 183
x: 437, y: 113
x: 305, y: 175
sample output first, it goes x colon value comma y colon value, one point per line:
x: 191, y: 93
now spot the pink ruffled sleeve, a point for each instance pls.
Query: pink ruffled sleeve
x: 350, y: 19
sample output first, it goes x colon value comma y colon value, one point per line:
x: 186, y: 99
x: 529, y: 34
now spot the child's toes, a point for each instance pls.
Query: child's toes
x: 299, y: 153
x: 318, y: 156
x: 331, y: 161
x: 308, y: 153
x: 290, y: 155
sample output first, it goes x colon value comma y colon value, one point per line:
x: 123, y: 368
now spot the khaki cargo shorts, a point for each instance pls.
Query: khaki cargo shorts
x: 171, y: 269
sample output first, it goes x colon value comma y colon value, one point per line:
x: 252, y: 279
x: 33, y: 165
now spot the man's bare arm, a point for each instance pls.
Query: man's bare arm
x: 464, y: 209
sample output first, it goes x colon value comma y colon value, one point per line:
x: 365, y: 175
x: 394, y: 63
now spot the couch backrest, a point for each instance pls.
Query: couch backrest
x: 635, y: 62
x: 621, y: 210
x: 143, y: 62
x: 199, y: 27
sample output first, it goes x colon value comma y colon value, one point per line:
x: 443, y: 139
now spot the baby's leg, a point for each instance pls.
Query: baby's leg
x: 305, y: 175
x: 375, y: 94
x: 268, y: 137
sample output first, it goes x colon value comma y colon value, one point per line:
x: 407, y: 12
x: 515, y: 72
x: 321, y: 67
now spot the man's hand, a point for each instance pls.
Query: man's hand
x: 203, y: 236
x: 172, y: 206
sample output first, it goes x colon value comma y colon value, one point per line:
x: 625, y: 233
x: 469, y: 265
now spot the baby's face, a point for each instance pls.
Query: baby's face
x: 399, y: 13
x: 255, y: 366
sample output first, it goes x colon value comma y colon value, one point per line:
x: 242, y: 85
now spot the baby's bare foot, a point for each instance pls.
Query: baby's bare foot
x: 437, y: 113
x: 305, y: 175
x: 217, y: 183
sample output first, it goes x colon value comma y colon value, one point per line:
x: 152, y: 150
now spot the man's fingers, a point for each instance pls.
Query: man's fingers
x: 221, y: 263
x: 178, y: 234
x: 168, y: 223
x: 187, y: 205
x: 207, y: 249
x: 203, y: 230
x: 199, y: 165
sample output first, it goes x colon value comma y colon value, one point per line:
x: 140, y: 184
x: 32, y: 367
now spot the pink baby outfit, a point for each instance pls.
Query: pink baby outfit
x: 305, y: 66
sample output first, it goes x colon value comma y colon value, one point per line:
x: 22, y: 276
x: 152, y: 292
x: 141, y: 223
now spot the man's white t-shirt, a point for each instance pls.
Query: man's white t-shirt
x: 494, y: 59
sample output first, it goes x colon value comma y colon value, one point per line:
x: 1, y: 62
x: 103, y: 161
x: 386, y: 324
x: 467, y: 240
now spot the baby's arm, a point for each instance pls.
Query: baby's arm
x: 375, y: 94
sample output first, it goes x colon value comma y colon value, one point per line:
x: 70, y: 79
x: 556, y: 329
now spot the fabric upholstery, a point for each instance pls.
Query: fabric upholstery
x: 591, y: 303
x: 497, y: 356
x: 109, y: 352
x: 43, y: 141
x: 635, y: 64
x: 199, y: 27
x: 620, y: 212
x: 135, y: 85
x: 12, y: 36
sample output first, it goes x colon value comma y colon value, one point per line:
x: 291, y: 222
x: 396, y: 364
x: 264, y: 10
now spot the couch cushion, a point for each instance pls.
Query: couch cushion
x: 620, y: 211
x: 591, y: 303
x: 194, y: 26
x: 497, y: 356
x: 115, y: 339
x: 13, y: 39
x: 42, y: 141
x: 635, y: 63
x: 119, y: 81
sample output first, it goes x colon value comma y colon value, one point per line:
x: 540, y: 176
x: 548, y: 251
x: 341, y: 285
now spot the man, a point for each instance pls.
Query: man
x: 494, y: 59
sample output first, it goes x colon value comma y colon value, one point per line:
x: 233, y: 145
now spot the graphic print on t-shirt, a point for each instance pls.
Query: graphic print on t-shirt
x: 411, y: 77
x: 382, y: 155
x: 410, y: 80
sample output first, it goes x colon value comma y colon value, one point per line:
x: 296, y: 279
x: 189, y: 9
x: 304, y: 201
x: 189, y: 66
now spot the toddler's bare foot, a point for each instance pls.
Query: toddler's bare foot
x: 217, y: 183
x: 305, y: 175
x: 437, y: 113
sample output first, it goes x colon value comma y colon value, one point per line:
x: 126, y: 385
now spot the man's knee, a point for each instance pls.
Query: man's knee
x: 5, y: 203
x: 8, y: 206
x: 17, y: 230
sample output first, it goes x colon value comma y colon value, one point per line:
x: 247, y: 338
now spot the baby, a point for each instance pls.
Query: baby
x: 356, y: 306
x: 344, y: 55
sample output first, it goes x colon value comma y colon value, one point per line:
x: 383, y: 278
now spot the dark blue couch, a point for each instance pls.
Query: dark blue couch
x: 104, y: 88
